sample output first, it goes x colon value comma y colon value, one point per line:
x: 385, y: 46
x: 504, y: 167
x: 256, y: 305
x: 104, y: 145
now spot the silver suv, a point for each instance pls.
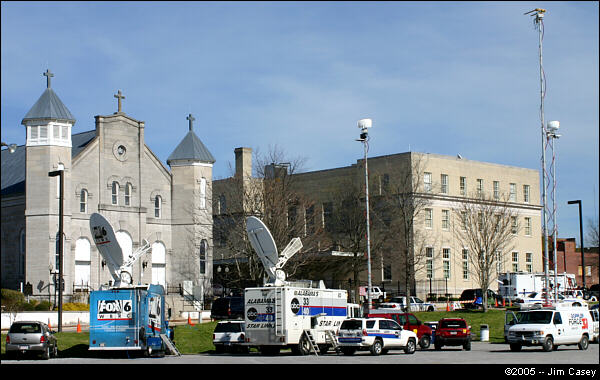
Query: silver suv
x: 229, y: 336
x: 377, y: 335
x: 31, y: 337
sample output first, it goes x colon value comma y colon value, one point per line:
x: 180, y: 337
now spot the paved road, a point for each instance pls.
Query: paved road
x: 481, y: 353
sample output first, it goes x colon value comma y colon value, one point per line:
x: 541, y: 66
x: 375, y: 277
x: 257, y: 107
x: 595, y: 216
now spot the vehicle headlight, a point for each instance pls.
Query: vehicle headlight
x: 541, y: 332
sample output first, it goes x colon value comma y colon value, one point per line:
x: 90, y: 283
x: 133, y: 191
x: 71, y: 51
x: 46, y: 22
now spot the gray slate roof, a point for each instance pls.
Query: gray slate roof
x: 13, y: 164
x: 49, y: 106
x: 191, y: 148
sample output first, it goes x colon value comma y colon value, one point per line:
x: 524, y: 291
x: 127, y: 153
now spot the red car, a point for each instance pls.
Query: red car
x: 452, y: 332
x: 409, y: 322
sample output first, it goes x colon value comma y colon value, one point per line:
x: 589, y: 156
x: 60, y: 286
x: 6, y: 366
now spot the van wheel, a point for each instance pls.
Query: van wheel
x: 304, y: 345
x: 548, y: 344
x: 377, y: 347
x: 584, y: 343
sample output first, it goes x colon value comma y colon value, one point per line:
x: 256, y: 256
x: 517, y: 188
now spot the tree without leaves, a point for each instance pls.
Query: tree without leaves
x: 487, y: 228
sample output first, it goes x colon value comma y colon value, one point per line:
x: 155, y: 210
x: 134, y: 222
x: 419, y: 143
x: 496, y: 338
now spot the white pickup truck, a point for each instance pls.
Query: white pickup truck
x: 376, y: 293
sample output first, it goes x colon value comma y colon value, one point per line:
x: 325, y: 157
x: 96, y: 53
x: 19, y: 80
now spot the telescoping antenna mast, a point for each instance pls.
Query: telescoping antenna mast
x: 538, y: 21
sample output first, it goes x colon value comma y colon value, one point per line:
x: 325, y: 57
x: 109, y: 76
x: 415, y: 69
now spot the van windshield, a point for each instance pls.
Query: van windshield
x: 543, y: 317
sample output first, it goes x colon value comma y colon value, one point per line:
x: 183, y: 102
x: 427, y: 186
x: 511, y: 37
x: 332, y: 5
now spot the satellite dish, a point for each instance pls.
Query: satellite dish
x: 263, y: 243
x: 111, y: 251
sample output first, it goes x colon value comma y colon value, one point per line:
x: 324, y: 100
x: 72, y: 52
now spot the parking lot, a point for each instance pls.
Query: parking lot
x: 481, y: 353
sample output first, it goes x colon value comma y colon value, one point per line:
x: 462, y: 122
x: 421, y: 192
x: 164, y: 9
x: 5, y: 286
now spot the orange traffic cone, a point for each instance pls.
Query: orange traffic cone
x: 496, y: 302
x: 190, y: 321
x: 447, y: 306
x: 503, y: 302
x: 78, y: 326
x: 510, y: 302
x: 49, y: 325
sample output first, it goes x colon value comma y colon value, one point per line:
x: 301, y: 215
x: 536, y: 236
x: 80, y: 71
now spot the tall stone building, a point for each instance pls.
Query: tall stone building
x: 109, y: 170
x: 442, y: 183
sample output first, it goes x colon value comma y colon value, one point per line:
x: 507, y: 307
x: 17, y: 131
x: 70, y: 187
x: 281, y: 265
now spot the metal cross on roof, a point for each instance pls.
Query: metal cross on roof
x: 119, y: 96
x: 191, y: 119
x: 48, y: 75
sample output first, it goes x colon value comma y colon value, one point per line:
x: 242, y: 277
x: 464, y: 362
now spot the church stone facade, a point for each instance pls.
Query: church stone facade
x: 109, y: 170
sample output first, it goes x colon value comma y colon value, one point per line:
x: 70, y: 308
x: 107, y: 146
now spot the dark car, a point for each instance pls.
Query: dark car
x: 475, y: 295
x: 594, y: 291
x: 228, y: 308
x: 410, y: 322
x: 31, y: 337
x: 452, y: 332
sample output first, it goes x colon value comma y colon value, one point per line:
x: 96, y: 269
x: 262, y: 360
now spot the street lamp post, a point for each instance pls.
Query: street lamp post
x: 580, y: 241
x: 61, y: 174
x: 552, y: 128
x: 364, y: 125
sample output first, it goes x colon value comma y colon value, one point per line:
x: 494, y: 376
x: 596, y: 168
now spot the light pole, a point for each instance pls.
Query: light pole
x: 581, y: 241
x: 364, y: 125
x: 552, y: 129
x: 11, y: 147
x: 61, y: 174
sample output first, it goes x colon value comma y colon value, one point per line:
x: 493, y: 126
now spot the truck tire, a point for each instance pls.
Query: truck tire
x: 583, y: 343
x: 548, y: 344
x: 304, y: 345
x: 467, y: 346
x: 425, y: 342
x: 411, y: 347
x: 377, y: 347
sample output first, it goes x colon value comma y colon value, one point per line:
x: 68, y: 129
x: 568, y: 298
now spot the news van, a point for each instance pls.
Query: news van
x: 549, y: 327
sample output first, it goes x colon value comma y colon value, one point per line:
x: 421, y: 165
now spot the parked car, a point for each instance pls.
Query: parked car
x: 409, y: 322
x: 476, y: 295
x: 452, y: 332
x: 416, y: 304
x: 228, y: 336
x: 536, y: 300
x: 31, y: 337
x: 227, y: 308
x: 377, y: 335
x: 376, y: 293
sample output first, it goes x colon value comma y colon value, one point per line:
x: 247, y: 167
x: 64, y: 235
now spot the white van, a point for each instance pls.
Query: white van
x: 549, y: 327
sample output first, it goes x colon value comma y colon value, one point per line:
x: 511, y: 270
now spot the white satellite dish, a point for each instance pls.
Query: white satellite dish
x: 111, y: 251
x: 263, y: 243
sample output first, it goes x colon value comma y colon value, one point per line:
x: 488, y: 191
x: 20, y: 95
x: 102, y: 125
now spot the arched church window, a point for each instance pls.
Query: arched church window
x: 157, y: 205
x: 83, y: 198
x: 203, y: 250
x: 115, y: 193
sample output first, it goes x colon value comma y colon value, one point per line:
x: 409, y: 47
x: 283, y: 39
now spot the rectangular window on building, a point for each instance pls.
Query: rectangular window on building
x: 529, y: 261
x: 65, y: 132
x: 328, y: 216
x: 496, y: 190
x: 445, y: 219
x: 479, y: 187
x: 463, y: 185
x: 527, y: 226
x: 33, y: 132
x: 202, y: 193
x: 429, y: 263
x: 526, y: 193
x: 43, y: 132
x: 309, y: 220
x: 514, y: 226
x: 465, y: 262
x: 387, y: 272
x: 513, y: 192
x: 427, y: 181
x: 444, y: 180
x: 515, y: 261
x: 428, y: 218
x: 446, y: 258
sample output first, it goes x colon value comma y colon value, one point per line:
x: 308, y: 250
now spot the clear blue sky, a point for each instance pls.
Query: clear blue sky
x: 438, y: 77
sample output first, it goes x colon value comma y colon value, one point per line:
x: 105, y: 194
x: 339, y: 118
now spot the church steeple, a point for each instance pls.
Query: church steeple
x: 190, y: 149
x: 49, y: 121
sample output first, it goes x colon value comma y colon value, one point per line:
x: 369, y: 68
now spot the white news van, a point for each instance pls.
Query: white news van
x: 549, y: 327
x: 519, y: 285
x: 303, y: 319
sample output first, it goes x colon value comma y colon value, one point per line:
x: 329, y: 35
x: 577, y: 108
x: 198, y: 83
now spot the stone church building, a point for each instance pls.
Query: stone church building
x: 109, y: 170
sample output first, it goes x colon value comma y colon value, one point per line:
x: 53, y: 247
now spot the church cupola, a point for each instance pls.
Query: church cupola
x: 49, y: 121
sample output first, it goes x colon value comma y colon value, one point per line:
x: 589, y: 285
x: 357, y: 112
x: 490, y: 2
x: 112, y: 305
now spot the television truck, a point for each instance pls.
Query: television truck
x: 124, y: 316
x: 286, y: 314
x: 513, y: 285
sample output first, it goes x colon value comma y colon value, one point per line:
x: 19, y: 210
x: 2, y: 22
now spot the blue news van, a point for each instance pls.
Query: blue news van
x: 128, y: 318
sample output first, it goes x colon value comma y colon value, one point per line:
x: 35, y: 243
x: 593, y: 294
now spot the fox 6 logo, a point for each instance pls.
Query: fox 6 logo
x: 252, y: 314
